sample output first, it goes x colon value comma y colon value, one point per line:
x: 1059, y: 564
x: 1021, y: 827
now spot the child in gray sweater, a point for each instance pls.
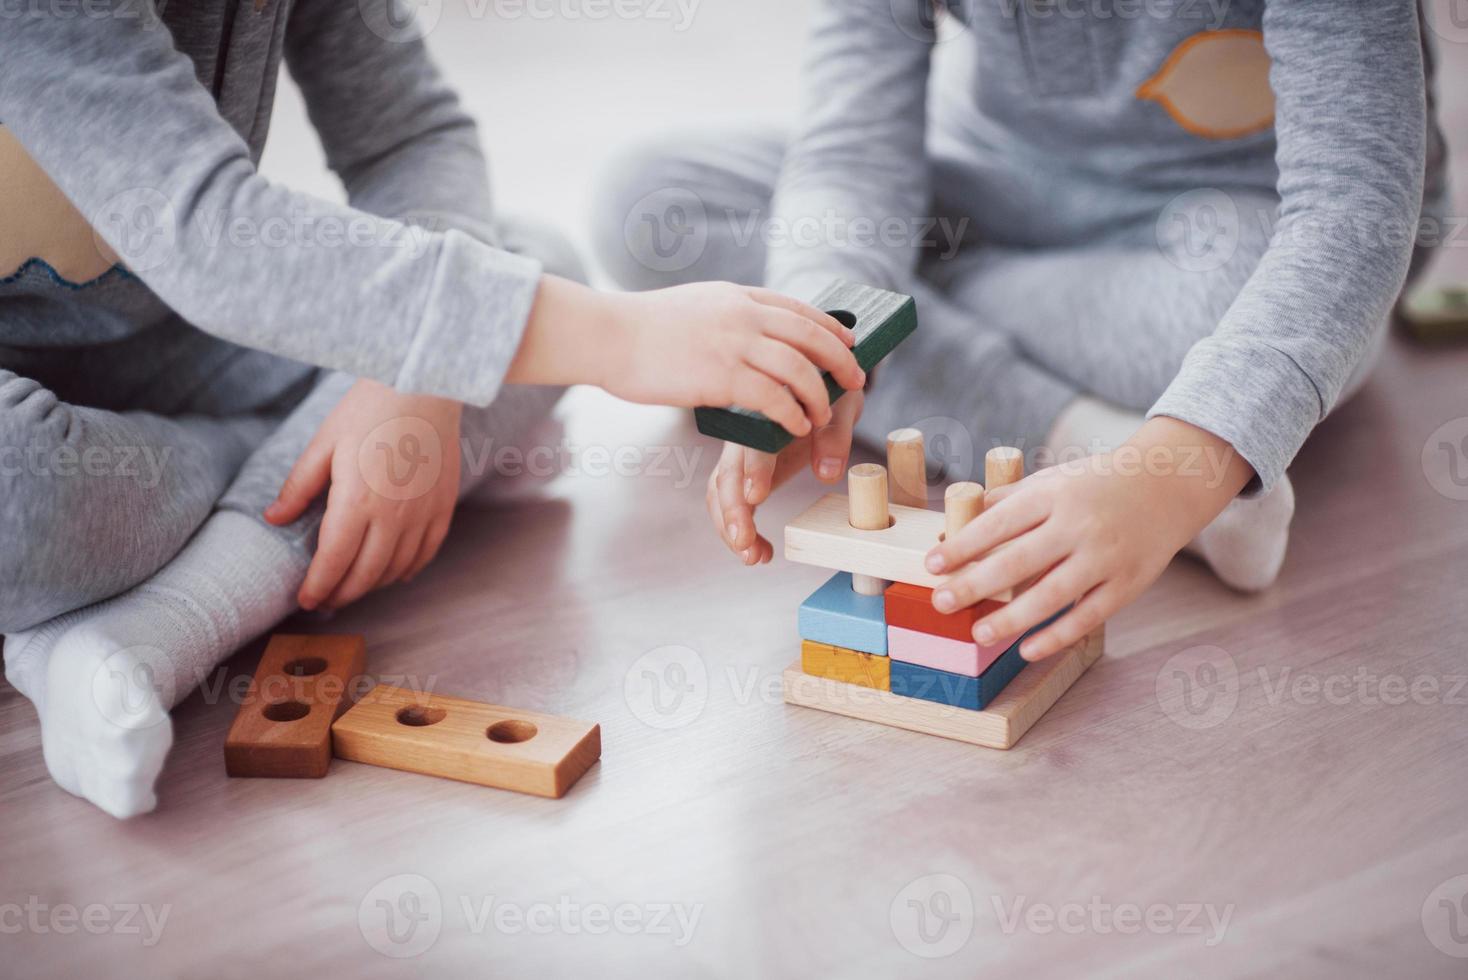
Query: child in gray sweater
x: 166, y: 430
x: 1159, y: 239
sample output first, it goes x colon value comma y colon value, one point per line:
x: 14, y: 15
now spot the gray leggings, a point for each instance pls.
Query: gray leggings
x: 111, y: 457
x: 1009, y: 334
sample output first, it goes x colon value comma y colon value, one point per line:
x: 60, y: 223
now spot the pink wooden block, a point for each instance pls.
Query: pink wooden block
x: 941, y: 652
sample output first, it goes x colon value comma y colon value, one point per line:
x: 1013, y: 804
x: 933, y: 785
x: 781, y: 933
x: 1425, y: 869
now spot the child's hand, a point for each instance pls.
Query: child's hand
x: 392, y: 492
x: 1097, y: 531
x: 745, y: 477
x: 716, y: 343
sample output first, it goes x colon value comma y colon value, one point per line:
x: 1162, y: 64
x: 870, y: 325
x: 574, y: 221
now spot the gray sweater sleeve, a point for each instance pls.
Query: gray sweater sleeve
x: 1350, y: 124
x: 858, y: 157
x: 116, y: 117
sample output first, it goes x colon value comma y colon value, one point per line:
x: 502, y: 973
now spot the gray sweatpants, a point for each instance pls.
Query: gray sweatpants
x: 1007, y: 336
x: 112, y: 456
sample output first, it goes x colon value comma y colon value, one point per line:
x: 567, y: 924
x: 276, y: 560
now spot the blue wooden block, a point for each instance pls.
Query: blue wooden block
x: 959, y: 690
x: 836, y: 615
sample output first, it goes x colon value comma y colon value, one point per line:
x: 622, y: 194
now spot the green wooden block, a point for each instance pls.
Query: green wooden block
x: 1436, y: 315
x: 881, y: 320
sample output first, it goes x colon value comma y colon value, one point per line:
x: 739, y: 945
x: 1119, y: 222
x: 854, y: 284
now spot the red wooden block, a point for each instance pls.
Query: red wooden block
x: 911, y: 607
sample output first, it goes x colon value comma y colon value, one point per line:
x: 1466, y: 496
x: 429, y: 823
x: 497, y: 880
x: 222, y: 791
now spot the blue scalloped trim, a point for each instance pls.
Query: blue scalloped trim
x: 117, y: 271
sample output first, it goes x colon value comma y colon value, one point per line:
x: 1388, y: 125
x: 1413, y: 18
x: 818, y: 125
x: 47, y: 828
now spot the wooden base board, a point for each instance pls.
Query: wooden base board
x: 999, y: 726
x: 470, y: 741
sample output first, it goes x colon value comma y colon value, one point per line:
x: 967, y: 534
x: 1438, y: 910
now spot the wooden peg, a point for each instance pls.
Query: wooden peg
x: 907, y: 467
x: 866, y: 487
x: 1002, y: 466
x: 962, y: 502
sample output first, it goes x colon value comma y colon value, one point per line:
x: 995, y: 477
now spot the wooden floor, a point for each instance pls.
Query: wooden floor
x: 1282, y: 791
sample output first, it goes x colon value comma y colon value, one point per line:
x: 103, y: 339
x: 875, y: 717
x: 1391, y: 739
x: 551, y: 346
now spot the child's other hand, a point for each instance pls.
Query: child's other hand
x: 715, y: 343
x: 392, y: 491
x: 1098, y: 532
x: 744, y: 477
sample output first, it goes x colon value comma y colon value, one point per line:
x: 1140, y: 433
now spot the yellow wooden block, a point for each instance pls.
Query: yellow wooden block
x: 847, y: 666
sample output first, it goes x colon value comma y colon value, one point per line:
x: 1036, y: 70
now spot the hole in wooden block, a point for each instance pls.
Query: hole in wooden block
x: 305, y: 666
x: 286, y: 711
x: 891, y: 522
x: 511, y: 731
x: 420, y: 716
x: 845, y: 317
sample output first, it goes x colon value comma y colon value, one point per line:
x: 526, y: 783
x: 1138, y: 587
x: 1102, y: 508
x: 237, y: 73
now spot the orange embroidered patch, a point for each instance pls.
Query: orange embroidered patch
x: 1215, y: 85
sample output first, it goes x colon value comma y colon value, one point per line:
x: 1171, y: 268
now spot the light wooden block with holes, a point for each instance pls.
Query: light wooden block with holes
x: 1000, y: 725
x: 470, y: 741
x: 823, y: 536
x: 283, y: 727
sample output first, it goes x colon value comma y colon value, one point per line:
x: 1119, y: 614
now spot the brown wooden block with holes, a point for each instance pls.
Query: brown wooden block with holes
x: 283, y: 728
x: 436, y: 735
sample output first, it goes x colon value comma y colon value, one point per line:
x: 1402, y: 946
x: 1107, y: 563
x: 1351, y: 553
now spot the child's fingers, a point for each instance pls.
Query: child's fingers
x: 402, y: 559
x: 816, y: 345
x: 1094, y: 609
x: 759, y: 476
x: 428, y: 550
x: 736, y: 520
x: 820, y: 318
x: 336, y: 547
x: 831, y: 446
x: 1063, y: 584
x: 791, y: 368
x: 372, y: 559
x: 758, y: 391
x: 758, y: 553
x: 307, y: 478
x: 1028, y: 555
x: 996, y: 525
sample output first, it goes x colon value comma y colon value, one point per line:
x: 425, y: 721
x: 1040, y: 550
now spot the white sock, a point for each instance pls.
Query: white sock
x: 103, y: 678
x: 1244, y: 545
